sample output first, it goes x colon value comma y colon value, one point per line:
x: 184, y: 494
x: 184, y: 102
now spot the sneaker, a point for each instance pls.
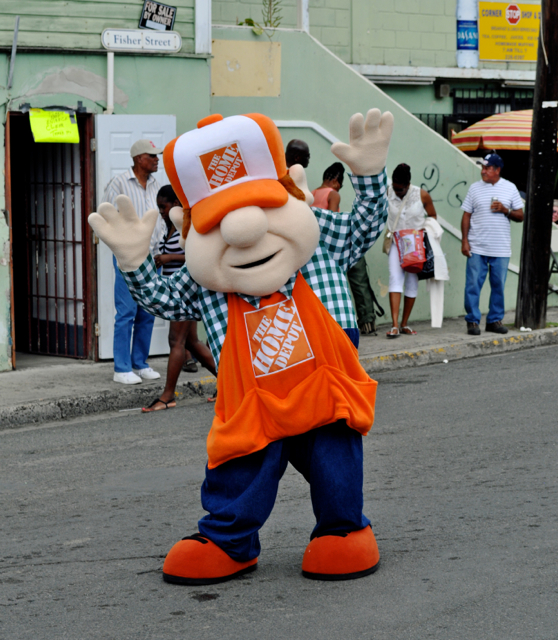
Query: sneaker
x: 473, y: 329
x: 126, y: 377
x: 147, y: 373
x: 496, y: 327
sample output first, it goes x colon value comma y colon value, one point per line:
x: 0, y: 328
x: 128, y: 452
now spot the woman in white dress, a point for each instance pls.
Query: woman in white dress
x: 412, y: 204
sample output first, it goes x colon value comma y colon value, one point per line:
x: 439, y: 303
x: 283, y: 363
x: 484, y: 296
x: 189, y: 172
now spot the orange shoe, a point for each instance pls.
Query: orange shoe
x: 197, y: 560
x: 346, y: 556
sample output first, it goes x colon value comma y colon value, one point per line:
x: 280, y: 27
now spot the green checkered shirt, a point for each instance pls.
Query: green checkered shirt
x: 344, y: 239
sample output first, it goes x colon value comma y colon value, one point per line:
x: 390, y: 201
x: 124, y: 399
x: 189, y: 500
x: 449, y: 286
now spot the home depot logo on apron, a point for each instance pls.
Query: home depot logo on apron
x: 277, y: 338
x: 223, y: 165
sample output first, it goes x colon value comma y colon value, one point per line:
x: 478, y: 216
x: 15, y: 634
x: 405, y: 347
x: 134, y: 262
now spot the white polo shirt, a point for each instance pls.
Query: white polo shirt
x: 489, y: 234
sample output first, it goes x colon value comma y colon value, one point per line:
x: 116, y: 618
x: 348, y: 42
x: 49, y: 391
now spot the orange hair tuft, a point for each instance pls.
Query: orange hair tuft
x: 186, y: 222
x: 290, y: 186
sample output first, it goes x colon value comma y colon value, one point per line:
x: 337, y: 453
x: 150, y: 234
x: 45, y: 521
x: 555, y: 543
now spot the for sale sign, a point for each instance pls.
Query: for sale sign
x: 156, y: 15
x: 509, y: 32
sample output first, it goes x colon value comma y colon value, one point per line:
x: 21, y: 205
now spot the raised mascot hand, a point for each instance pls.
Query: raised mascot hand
x: 127, y: 236
x: 368, y: 145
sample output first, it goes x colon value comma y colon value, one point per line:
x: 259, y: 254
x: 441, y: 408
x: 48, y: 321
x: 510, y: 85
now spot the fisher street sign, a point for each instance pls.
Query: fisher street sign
x: 156, y: 15
x: 141, y: 40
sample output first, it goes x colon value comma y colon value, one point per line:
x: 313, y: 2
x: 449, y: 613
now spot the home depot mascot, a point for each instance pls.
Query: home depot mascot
x: 266, y: 274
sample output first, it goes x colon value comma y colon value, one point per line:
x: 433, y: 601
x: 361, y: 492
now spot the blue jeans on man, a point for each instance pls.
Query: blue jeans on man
x: 477, y: 268
x: 130, y: 318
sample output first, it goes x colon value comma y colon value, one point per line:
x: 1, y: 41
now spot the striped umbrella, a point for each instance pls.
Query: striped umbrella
x: 509, y: 130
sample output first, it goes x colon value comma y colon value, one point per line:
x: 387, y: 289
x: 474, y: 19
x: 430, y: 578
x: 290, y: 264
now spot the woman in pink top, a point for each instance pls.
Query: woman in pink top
x: 327, y: 196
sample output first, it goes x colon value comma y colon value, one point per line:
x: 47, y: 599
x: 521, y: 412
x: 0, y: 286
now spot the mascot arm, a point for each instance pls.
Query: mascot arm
x: 172, y: 298
x: 347, y: 236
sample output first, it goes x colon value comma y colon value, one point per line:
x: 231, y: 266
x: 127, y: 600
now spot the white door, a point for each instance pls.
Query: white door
x: 115, y: 134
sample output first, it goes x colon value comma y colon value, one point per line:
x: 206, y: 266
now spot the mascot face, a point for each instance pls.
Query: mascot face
x: 253, y: 250
x: 249, y: 233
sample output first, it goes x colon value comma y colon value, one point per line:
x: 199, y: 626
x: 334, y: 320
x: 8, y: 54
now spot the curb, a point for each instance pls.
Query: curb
x: 130, y: 398
x: 453, y: 352
x: 105, y: 401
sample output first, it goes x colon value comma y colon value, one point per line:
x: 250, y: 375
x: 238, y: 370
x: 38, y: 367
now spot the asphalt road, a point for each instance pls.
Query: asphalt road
x: 460, y: 484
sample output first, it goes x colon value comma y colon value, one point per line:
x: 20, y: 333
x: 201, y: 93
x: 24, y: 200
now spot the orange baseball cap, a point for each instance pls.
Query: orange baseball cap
x: 226, y: 164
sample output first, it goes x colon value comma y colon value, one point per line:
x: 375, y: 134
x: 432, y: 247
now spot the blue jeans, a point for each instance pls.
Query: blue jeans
x: 129, y: 315
x: 239, y: 494
x: 477, y: 268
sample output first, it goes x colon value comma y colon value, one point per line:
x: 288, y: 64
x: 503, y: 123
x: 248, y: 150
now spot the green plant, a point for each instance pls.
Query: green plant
x: 271, y: 18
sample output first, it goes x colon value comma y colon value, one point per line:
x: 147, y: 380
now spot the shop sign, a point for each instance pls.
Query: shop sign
x: 156, y: 15
x: 53, y: 126
x: 141, y: 40
x: 509, y: 32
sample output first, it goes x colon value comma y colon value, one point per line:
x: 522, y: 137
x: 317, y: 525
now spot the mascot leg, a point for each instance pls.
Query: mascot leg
x: 343, y: 546
x: 239, y: 496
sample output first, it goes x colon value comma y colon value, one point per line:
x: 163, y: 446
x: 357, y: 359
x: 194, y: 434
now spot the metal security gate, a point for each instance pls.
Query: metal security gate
x: 49, y: 223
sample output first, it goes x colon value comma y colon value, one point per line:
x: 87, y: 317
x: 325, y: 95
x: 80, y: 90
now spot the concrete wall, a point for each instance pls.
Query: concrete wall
x: 143, y: 85
x: 400, y: 32
x: 316, y: 86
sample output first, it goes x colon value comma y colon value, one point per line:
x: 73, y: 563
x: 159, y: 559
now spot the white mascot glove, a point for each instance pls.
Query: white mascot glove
x: 127, y: 236
x: 368, y: 145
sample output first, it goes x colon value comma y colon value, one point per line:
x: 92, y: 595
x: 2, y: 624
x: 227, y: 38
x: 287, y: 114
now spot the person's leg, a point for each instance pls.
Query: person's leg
x: 396, y: 282
x: 141, y: 340
x: 126, y: 310
x: 177, y: 338
x: 360, y: 287
x: 411, y: 291
x: 498, y: 271
x: 330, y: 459
x: 200, y: 350
x: 239, y: 496
x: 477, y: 267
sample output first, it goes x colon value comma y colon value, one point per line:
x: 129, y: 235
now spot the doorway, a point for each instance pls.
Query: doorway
x: 50, y: 196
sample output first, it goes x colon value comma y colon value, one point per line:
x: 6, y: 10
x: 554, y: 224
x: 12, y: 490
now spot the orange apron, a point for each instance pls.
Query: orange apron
x: 285, y: 368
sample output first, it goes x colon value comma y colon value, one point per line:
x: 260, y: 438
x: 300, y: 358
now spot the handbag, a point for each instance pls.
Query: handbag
x: 412, y: 253
x: 428, y: 267
x: 388, y: 238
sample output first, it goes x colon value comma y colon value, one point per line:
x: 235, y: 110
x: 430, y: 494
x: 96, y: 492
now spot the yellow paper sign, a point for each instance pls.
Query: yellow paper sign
x: 509, y: 32
x: 53, y: 126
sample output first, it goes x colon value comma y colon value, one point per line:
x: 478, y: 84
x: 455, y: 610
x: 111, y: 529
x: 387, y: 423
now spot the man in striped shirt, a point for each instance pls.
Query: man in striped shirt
x: 141, y: 187
x: 490, y: 205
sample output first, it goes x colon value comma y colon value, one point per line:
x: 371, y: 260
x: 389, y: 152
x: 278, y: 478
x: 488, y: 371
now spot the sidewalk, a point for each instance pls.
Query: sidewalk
x: 43, y: 389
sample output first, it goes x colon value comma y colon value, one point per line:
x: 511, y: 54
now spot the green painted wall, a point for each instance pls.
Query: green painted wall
x: 400, y: 32
x: 143, y: 84
x: 78, y: 24
x: 439, y: 167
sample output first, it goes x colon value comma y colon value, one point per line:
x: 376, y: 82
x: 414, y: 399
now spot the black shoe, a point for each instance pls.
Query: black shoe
x: 473, y: 329
x: 190, y: 366
x: 496, y: 327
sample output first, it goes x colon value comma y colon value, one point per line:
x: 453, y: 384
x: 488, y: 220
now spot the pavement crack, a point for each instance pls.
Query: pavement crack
x: 61, y: 562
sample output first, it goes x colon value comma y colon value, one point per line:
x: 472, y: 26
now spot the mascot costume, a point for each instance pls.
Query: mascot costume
x: 267, y: 276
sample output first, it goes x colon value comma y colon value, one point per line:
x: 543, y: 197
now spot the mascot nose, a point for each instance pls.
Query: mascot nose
x: 244, y: 227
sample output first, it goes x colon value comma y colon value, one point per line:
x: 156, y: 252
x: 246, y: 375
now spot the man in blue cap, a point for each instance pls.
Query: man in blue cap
x: 490, y: 205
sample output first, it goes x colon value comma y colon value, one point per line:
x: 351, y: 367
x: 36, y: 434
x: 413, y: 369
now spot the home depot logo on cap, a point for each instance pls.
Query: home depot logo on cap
x: 226, y: 164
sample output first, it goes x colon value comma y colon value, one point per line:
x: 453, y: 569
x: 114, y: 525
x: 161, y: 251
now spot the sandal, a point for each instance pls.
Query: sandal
x: 408, y: 331
x: 168, y: 405
x: 393, y: 333
x: 212, y: 398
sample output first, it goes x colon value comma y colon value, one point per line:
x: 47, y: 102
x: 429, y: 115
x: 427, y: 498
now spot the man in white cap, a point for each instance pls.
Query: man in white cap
x: 138, y: 183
